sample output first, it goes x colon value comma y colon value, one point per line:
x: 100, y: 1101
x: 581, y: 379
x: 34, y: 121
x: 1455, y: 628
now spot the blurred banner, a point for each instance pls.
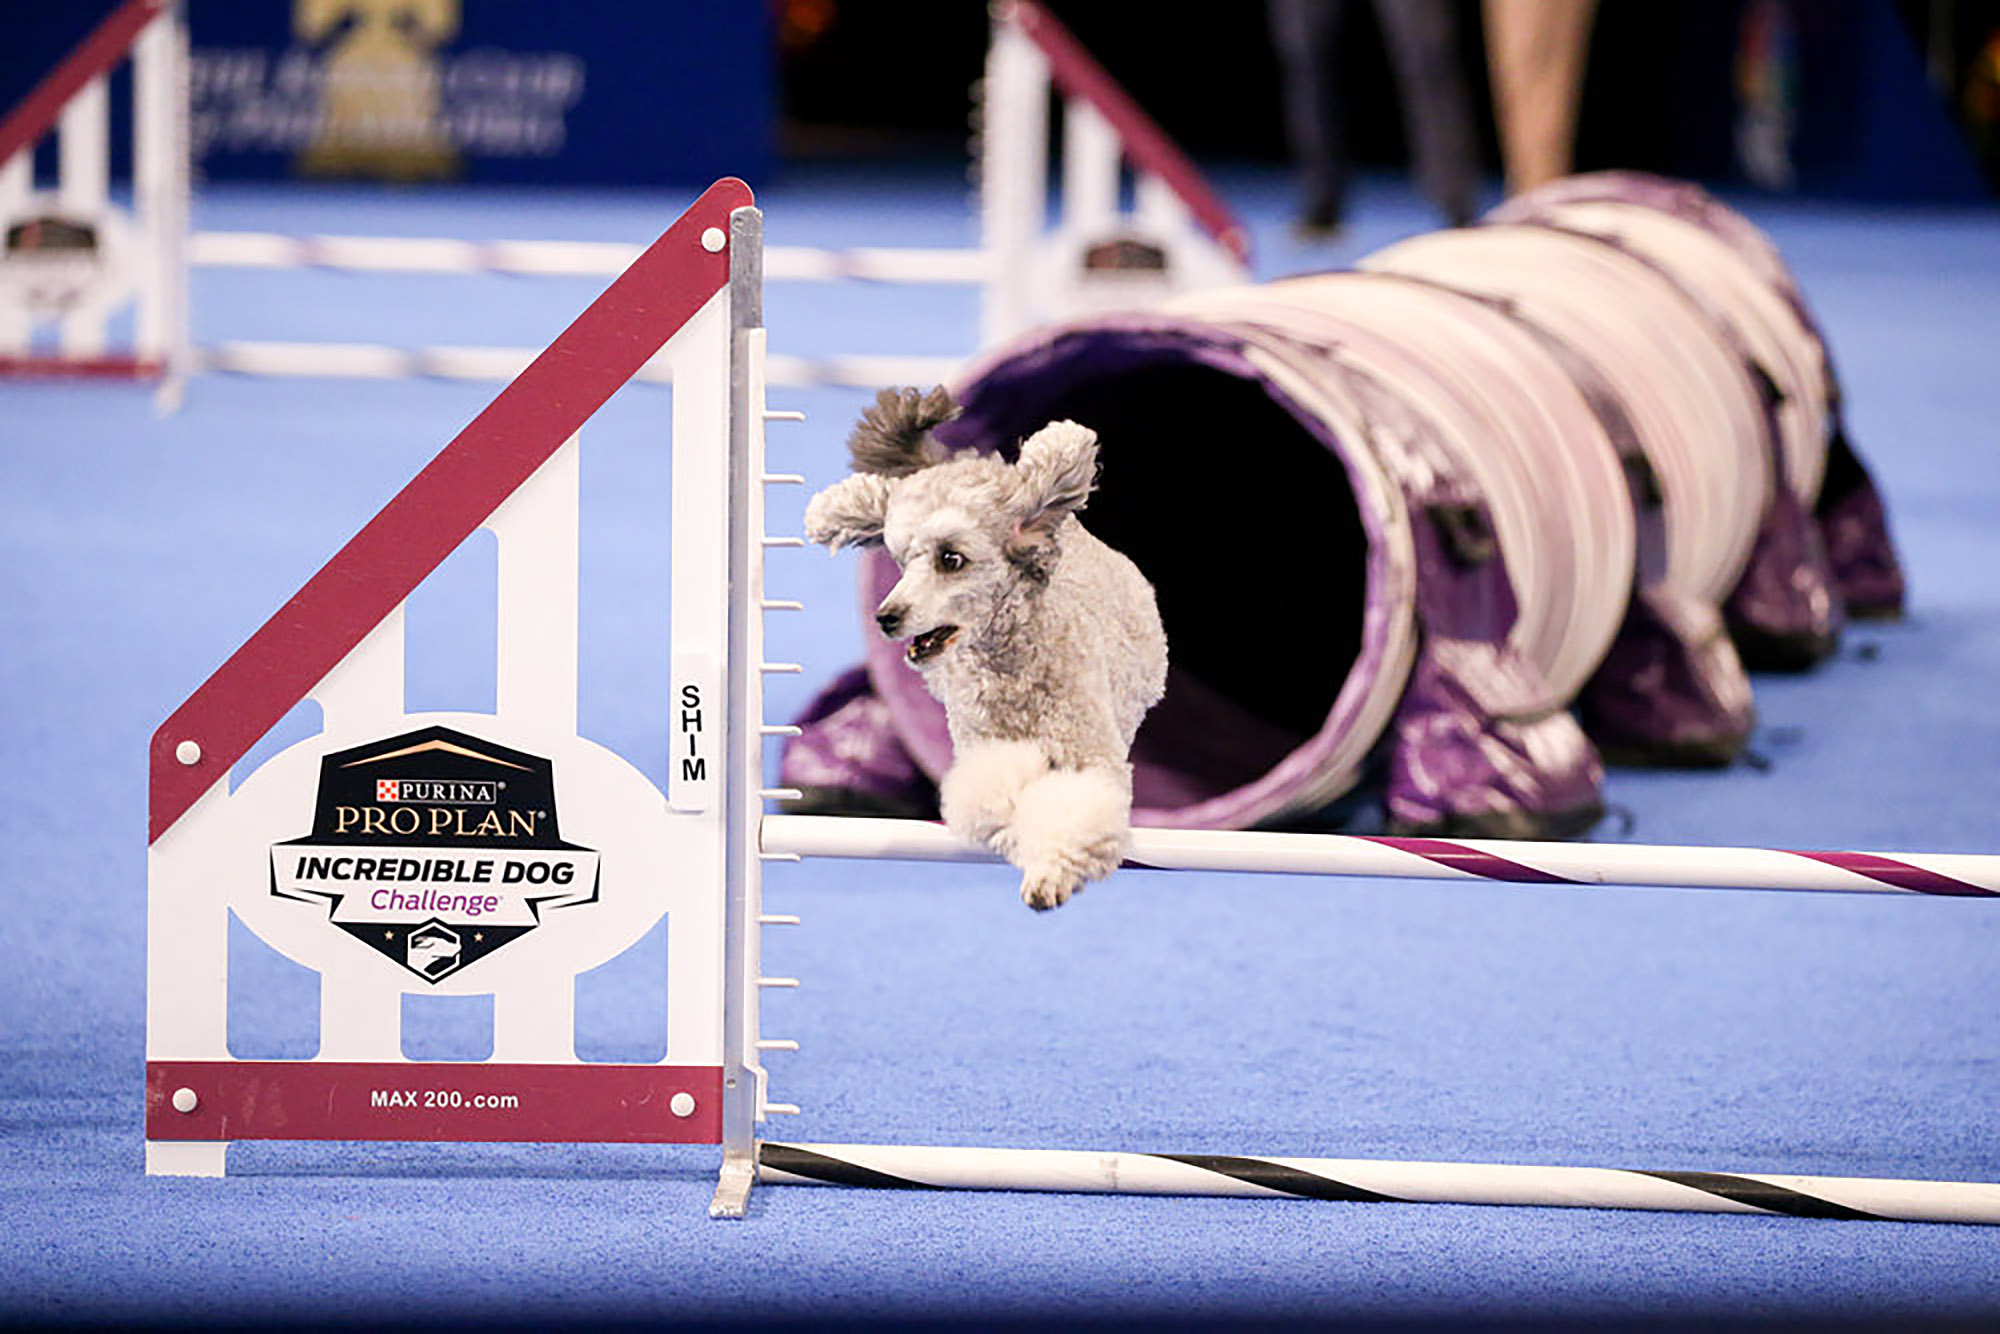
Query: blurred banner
x: 483, y: 91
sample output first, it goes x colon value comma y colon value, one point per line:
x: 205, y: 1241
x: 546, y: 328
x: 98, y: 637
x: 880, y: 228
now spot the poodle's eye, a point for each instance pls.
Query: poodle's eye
x: 950, y: 561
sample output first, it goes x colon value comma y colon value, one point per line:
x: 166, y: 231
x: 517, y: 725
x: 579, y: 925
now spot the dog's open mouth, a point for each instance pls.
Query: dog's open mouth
x: 930, y: 643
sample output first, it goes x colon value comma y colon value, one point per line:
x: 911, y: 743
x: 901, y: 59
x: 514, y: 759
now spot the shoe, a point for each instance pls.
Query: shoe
x: 1319, y: 224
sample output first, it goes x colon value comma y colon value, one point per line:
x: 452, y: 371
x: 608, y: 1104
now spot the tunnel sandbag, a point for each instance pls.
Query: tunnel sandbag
x: 1714, y: 249
x: 848, y: 760
x: 1337, y: 606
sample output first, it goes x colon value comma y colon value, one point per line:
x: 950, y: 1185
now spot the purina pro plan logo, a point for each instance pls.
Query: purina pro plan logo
x: 435, y: 848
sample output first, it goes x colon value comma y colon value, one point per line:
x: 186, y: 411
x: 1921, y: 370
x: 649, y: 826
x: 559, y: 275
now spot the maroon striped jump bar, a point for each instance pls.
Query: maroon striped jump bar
x: 1954, y: 875
x: 1487, y: 865
x: 1478, y: 861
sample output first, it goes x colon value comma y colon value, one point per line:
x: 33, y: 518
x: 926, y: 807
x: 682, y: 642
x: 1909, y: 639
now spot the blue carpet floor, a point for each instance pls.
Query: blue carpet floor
x: 1197, y: 1013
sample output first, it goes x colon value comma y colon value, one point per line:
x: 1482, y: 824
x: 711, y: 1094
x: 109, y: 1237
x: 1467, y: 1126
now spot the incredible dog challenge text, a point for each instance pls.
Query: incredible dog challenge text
x: 459, y: 870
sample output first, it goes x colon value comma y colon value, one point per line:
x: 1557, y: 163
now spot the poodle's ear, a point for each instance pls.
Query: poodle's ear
x: 1056, y: 472
x: 1053, y: 477
x: 850, y: 512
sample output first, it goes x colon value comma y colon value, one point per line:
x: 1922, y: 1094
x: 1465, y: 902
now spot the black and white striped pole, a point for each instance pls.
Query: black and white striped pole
x: 1372, y: 1181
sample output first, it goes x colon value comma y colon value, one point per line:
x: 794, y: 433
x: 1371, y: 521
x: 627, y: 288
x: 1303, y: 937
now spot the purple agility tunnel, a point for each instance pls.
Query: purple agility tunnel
x: 1720, y: 260
x: 1428, y: 538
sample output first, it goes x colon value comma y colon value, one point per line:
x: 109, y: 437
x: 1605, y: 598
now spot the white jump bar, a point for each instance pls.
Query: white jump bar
x: 1965, y: 875
x: 1362, y: 1180
x: 373, y: 361
x: 392, y: 254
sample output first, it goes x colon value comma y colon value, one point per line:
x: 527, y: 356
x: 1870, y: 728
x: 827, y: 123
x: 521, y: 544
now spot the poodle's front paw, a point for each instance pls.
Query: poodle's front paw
x: 1048, y: 887
x: 978, y: 792
x: 1070, y: 827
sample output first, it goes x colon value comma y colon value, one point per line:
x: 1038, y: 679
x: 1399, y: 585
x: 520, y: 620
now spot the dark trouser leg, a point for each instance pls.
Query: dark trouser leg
x: 1306, y: 36
x: 1422, y: 37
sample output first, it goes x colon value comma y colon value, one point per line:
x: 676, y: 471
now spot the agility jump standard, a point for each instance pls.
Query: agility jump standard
x: 1177, y: 228
x: 472, y: 798
x: 70, y: 258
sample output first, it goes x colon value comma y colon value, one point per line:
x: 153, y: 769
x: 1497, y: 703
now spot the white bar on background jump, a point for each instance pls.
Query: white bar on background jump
x: 1377, y: 1181
x: 17, y: 182
x: 365, y: 361
x: 386, y: 254
x: 1090, y: 170
x: 370, y: 361
x: 390, y: 254
x: 83, y: 188
x: 160, y: 139
x: 83, y: 148
x: 1966, y: 874
x: 885, y: 264
x: 860, y: 372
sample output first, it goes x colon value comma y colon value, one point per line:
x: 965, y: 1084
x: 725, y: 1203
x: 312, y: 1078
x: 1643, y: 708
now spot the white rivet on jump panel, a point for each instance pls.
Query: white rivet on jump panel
x: 188, y: 752
x: 681, y: 1104
x: 713, y: 240
x: 185, y: 1100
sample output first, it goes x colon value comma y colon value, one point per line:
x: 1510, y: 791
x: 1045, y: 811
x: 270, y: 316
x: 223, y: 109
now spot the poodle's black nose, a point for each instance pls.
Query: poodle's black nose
x: 890, y: 619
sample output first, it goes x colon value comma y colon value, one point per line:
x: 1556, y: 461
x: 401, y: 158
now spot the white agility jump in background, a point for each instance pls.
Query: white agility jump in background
x: 1174, y: 233
x: 433, y: 800
x: 72, y: 258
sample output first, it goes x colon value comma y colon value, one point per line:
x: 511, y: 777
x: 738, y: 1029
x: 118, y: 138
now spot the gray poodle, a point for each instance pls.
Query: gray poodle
x: 1043, y: 644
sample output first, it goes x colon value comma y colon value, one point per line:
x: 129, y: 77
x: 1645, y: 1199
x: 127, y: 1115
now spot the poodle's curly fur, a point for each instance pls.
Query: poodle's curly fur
x: 1044, y: 644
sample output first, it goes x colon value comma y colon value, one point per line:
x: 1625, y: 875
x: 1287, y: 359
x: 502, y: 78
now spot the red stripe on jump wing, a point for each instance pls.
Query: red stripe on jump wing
x: 1902, y: 875
x: 1472, y: 861
x: 434, y: 1101
x: 1077, y: 73
x: 443, y: 505
x: 81, y: 368
x: 35, y: 115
